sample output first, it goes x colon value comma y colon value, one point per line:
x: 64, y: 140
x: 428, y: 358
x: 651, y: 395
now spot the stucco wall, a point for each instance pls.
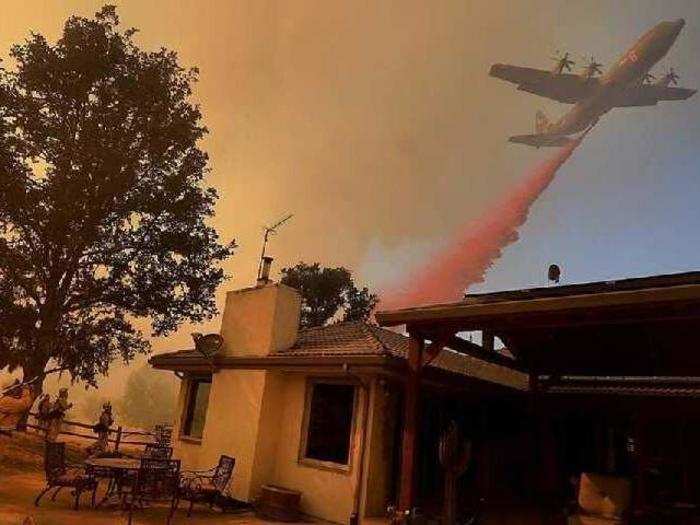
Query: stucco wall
x: 379, y: 461
x: 187, y: 453
x: 257, y: 417
x: 326, y: 494
x: 231, y: 427
x: 257, y: 321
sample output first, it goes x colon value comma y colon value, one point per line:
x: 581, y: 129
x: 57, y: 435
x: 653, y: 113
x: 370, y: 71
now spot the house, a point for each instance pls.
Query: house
x: 318, y: 410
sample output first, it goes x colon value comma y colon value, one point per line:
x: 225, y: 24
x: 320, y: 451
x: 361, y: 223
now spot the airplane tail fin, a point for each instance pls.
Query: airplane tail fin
x: 542, y: 123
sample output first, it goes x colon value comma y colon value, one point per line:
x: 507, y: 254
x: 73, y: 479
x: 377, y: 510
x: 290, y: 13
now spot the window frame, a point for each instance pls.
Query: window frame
x: 184, y: 415
x: 303, y: 459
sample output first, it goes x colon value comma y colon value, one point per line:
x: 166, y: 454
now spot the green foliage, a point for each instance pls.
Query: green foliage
x: 328, y: 293
x: 103, y: 209
x: 149, y: 399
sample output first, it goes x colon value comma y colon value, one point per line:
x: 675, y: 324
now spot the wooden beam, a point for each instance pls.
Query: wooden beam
x: 488, y: 340
x: 465, y: 347
x: 435, y: 347
x: 411, y: 407
x: 472, y: 312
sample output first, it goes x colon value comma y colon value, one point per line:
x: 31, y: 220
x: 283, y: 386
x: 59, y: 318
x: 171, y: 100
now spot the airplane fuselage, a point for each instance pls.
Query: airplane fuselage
x: 629, y: 70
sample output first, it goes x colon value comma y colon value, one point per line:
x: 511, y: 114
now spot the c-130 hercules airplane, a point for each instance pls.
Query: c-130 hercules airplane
x: 628, y: 83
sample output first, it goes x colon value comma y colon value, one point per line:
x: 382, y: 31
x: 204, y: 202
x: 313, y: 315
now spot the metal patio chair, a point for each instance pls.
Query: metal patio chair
x: 206, y: 486
x: 60, y: 475
x: 156, y: 451
x: 163, y: 435
x: 157, y: 480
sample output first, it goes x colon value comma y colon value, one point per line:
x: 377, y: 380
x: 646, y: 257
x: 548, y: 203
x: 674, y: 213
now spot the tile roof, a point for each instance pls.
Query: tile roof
x: 352, y: 338
x: 361, y: 339
x: 356, y: 338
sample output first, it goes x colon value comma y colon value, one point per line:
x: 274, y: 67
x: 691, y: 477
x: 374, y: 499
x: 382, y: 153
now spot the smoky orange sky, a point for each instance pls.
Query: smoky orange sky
x: 374, y: 123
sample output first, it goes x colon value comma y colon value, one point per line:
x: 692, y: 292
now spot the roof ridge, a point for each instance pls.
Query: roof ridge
x: 367, y: 331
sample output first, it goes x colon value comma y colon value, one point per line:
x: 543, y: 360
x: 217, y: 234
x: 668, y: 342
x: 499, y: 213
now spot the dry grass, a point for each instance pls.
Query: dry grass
x: 25, y: 453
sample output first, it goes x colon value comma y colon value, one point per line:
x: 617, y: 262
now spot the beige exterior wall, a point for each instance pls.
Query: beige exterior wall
x: 186, y: 452
x: 231, y: 427
x: 267, y: 445
x: 379, y: 461
x: 261, y: 320
x: 327, y: 494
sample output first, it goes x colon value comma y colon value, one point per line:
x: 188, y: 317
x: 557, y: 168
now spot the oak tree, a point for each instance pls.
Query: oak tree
x: 103, y: 206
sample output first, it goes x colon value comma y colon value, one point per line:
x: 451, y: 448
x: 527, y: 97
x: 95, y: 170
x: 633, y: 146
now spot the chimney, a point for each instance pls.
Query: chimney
x: 260, y: 320
x: 264, y: 277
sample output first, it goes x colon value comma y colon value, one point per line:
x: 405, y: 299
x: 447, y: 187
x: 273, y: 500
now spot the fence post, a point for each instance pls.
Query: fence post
x: 119, y: 438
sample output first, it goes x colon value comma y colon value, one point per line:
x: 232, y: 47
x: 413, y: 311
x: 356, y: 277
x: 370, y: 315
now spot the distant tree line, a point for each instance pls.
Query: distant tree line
x: 329, y: 294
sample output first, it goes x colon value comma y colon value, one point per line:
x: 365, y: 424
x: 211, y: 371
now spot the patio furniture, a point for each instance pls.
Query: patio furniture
x: 156, y: 451
x: 602, y: 500
x: 206, y: 486
x: 117, y: 470
x: 60, y: 475
x: 163, y: 435
x: 157, y: 480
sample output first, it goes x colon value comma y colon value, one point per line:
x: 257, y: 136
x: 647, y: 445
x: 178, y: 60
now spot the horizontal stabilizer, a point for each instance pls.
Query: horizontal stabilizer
x: 541, y: 141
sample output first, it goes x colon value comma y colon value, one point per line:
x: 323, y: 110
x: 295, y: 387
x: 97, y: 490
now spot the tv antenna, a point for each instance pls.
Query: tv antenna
x: 270, y: 230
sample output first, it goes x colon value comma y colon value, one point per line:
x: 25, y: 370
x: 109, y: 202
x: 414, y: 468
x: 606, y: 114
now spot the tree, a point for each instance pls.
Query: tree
x: 327, y: 293
x: 149, y: 398
x: 103, y: 209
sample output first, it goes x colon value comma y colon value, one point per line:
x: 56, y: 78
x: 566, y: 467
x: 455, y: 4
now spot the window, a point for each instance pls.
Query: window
x: 196, y: 407
x: 330, y: 409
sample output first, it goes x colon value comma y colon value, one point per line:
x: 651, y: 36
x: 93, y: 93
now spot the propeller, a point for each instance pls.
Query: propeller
x: 563, y: 61
x: 671, y: 77
x: 592, y: 68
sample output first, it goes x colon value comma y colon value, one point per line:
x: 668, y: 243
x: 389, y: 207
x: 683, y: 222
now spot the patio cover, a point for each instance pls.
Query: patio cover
x: 633, y: 327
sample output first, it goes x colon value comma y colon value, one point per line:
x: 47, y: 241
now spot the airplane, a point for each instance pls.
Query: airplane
x: 627, y: 83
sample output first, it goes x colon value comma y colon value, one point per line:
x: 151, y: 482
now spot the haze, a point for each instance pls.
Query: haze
x: 376, y: 124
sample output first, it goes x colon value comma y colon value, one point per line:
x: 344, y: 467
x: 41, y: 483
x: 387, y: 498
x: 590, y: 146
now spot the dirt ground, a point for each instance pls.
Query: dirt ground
x: 22, y: 478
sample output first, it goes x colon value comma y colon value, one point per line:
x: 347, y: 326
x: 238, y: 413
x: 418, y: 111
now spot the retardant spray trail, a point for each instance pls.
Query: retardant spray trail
x: 449, y: 273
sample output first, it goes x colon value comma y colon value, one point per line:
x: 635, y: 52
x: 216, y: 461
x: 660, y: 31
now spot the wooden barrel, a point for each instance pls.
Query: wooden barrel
x: 278, y: 503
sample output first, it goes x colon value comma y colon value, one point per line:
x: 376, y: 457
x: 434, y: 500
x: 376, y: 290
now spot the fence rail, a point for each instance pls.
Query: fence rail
x: 119, y: 433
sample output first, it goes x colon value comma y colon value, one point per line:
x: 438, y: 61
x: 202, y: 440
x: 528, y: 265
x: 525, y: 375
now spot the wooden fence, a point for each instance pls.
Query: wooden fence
x: 119, y: 433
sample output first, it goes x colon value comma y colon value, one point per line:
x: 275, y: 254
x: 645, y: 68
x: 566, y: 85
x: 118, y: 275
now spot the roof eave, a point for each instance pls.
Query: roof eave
x: 272, y: 362
x: 465, y: 312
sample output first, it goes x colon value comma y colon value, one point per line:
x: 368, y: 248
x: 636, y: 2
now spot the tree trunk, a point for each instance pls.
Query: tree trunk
x: 32, y: 372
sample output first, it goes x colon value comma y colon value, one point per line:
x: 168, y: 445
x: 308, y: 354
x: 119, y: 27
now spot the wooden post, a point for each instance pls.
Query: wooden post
x: 488, y: 340
x: 118, y: 439
x: 407, y: 484
x: 640, y: 455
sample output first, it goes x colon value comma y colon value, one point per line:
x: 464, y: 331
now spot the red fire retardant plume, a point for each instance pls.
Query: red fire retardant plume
x: 449, y: 273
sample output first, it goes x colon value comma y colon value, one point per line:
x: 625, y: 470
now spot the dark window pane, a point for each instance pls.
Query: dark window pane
x: 330, y: 422
x: 197, y: 403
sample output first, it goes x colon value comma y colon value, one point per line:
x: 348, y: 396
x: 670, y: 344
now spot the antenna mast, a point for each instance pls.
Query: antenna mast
x: 270, y: 230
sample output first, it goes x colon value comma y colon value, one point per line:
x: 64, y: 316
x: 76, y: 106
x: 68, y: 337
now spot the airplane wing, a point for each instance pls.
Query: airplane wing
x: 650, y: 95
x: 563, y: 87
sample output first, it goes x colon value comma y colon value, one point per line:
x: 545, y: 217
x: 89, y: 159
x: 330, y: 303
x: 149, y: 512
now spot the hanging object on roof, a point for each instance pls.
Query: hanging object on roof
x: 554, y: 273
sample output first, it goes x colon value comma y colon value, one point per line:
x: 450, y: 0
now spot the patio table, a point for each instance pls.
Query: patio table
x: 116, y: 470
